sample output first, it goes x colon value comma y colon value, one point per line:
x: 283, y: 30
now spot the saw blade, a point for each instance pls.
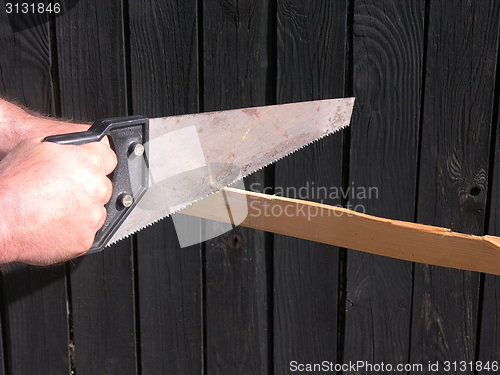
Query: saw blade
x: 193, y: 156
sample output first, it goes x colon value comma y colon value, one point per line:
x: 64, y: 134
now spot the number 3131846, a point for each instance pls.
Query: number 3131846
x: 25, y: 8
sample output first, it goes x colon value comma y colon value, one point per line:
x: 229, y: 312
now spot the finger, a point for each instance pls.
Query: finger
x: 104, y: 190
x: 108, y: 157
x: 99, y: 218
x: 96, y: 226
x: 103, y: 218
x: 105, y: 140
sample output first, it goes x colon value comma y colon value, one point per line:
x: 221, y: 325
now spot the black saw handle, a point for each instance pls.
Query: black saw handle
x: 129, y: 138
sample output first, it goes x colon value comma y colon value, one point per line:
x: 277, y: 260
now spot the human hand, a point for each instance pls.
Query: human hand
x: 52, y: 200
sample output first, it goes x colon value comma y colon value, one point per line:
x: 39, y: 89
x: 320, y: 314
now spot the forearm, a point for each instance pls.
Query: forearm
x: 12, y: 119
x: 16, y: 125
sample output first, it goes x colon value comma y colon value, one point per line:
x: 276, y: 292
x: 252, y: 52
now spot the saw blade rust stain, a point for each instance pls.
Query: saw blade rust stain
x: 252, y: 112
x: 231, y: 158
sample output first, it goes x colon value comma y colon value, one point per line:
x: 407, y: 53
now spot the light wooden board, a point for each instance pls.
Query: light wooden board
x: 346, y: 228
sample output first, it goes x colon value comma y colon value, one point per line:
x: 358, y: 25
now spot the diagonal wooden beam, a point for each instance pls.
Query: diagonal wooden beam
x: 353, y: 230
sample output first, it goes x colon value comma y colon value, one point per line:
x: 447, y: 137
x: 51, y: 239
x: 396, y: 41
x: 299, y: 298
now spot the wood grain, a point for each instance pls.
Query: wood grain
x: 342, y: 227
x: 235, y: 71
x: 387, y: 84
x: 92, y: 82
x: 170, y: 302
x: 164, y: 79
x: 25, y: 65
x: 489, y: 329
x: 458, y: 105
x: 164, y: 57
x: 37, y: 320
x: 34, y: 298
x: 311, y: 59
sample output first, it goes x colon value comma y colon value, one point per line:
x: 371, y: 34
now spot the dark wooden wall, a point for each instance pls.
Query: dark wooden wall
x: 426, y: 78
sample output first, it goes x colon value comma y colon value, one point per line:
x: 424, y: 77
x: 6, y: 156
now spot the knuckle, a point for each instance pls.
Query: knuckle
x: 112, y: 157
x: 103, y: 191
x: 94, y: 162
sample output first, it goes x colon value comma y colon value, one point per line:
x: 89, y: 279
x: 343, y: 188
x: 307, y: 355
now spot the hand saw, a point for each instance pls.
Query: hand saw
x: 168, y: 163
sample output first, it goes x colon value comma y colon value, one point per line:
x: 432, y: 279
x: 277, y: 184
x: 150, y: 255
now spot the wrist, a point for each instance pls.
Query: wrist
x: 40, y: 127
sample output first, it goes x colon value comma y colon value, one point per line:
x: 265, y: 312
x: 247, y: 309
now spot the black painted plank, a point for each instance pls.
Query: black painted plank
x: 164, y: 67
x: 311, y: 65
x: 235, y: 66
x: 34, y: 298
x: 2, y: 362
x: 458, y: 104
x: 489, y: 339
x: 164, y: 57
x: 103, y: 312
x: 25, y: 64
x: 91, y: 60
x: 37, y: 321
x: 388, y: 59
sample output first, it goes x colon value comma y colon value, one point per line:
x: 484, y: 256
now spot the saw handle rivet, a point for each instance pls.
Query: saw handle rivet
x: 136, y: 149
x: 126, y: 200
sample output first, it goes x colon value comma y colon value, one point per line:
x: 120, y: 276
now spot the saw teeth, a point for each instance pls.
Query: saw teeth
x: 238, y: 179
